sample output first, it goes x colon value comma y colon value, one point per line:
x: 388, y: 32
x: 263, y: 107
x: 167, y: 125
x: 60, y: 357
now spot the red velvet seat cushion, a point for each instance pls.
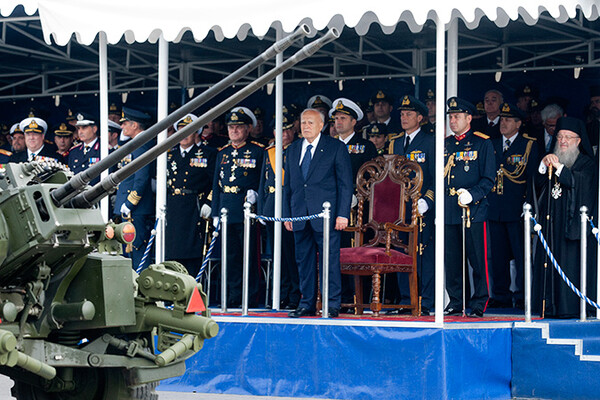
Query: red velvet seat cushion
x: 373, y: 255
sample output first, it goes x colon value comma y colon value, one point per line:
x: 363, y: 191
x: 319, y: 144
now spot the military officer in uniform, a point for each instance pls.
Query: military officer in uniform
x: 383, y: 104
x: 237, y: 177
x: 209, y: 135
x: 17, y: 142
x: 190, y: 171
x: 37, y: 150
x: 378, y: 135
x: 516, y: 160
x: 418, y: 145
x: 87, y: 153
x: 469, y: 177
x: 290, y: 290
x: 135, y: 200
x: 63, y: 137
x: 323, y: 105
x: 346, y: 114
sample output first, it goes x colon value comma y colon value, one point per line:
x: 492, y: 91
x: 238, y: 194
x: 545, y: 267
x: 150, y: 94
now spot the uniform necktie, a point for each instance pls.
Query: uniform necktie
x: 32, y: 156
x: 86, y: 149
x: 305, y: 165
x: 491, y: 124
x: 406, y: 143
x: 506, y: 144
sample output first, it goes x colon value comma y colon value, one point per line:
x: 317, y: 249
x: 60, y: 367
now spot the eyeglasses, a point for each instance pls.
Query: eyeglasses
x: 566, y: 137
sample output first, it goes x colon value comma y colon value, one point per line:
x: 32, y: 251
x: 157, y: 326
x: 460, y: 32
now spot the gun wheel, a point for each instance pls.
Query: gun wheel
x: 90, y: 384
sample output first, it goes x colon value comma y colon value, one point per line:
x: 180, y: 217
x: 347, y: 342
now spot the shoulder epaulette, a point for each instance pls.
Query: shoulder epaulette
x: 481, y: 135
x: 399, y: 135
x: 5, y: 152
x: 257, y: 143
x: 224, y: 147
x: 526, y: 136
x: 76, y: 145
x: 270, y: 147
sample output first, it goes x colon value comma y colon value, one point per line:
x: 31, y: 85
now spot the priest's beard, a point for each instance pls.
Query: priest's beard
x: 567, y: 156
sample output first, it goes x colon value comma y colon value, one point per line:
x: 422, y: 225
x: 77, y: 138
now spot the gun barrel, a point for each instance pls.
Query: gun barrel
x: 91, y: 196
x: 62, y: 194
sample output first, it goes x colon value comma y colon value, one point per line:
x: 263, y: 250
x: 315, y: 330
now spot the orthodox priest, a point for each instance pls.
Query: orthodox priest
x: 567, y: 181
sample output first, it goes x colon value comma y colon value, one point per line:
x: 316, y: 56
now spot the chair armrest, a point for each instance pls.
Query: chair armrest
x: 389, y: 227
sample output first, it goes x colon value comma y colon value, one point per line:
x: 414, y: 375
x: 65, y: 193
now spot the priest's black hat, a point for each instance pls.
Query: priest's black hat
x: 577, y: 126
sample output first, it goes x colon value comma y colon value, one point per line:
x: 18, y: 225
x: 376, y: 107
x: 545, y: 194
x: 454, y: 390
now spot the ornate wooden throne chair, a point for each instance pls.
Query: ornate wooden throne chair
x: 386, y: 231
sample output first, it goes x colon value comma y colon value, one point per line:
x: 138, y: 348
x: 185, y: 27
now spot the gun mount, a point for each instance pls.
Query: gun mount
x: 76, y: 322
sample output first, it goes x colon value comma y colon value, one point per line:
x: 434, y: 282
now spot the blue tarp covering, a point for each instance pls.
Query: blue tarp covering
x: 350, y: 362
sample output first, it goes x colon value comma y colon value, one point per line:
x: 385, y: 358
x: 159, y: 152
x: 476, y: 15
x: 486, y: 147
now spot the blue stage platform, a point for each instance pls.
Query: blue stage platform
x: 392, y: 359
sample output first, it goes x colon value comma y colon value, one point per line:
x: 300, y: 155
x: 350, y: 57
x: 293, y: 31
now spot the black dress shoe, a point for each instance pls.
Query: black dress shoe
x: 301, y: 312
x: 476, y: 313
x: 290, y: 306
x: 333, y: 312
x: 425, y: 311
x: 452, y: 311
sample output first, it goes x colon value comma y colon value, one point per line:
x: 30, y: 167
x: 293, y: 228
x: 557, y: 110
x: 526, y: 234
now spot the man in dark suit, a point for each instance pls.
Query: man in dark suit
x: 134, y: 198
x: 417, y: 144
x: 317, y: 169
x: 516, y: 160
x: 490, y: 125
x: 37, y: 150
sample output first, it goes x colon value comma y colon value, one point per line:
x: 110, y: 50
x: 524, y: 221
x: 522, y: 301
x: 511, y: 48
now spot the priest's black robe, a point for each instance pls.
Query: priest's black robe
x: 575, y: 187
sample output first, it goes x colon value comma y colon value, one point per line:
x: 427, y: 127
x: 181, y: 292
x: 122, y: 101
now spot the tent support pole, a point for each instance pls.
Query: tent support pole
x: 161, y: 161
x: 439, y: 166
x: 278, y: 181
x: 103, y: 127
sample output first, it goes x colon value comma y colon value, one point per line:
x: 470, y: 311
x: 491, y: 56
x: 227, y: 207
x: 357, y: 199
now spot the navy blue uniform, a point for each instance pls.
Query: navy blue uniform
x: 515, y: 169
x: 5, y: 156
x: 80, y: 158
x: 360, y: 150
x: 290, y: 290
x: 421, y: 150
x: 189, y: 182
x: 136, y: 193
x: 237, y: 170
x: 469, y: 164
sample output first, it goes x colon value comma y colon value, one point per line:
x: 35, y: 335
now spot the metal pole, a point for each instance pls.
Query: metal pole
x: 527, y: 259
x: 223, y: 260
x: 452, y: 83
x: 583, y: 256
x: 161, y: 161
x: 440, y: 102
x: 278, y: 181
x: 246, y: 267
x: 103, y: 127
x: 326, y: 225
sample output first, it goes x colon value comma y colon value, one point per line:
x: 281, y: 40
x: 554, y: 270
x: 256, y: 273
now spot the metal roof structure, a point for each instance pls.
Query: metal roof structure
x: 32, y: 68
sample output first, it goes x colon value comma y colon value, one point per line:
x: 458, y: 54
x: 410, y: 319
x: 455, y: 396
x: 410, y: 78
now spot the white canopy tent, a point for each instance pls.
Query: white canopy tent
x: 140, y: 21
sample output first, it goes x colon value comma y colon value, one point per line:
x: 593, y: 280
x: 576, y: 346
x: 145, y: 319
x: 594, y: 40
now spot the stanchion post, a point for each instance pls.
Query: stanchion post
x: 223, y: 260
x: 527, y: 259
x: 326, y: 227
x: 246, y: 267
x: 583, y: 256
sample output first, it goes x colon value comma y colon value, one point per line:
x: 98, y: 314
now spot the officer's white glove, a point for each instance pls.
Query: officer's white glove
x: 354, y: 202
x: 251, y: 196
x: 262, y: 222
x: 464, y: 196
x: 215, y: 221
x: 422, y: 206
x: 125, y: 210
x: 205, y: 211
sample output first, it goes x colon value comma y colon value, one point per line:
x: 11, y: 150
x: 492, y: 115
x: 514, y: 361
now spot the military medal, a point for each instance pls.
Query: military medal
x: 467, y: 167
x: 234, y: 153
x: 556, y: 191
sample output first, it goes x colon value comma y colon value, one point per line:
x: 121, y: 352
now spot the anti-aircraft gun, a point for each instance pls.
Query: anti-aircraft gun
x: 76, y: 321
